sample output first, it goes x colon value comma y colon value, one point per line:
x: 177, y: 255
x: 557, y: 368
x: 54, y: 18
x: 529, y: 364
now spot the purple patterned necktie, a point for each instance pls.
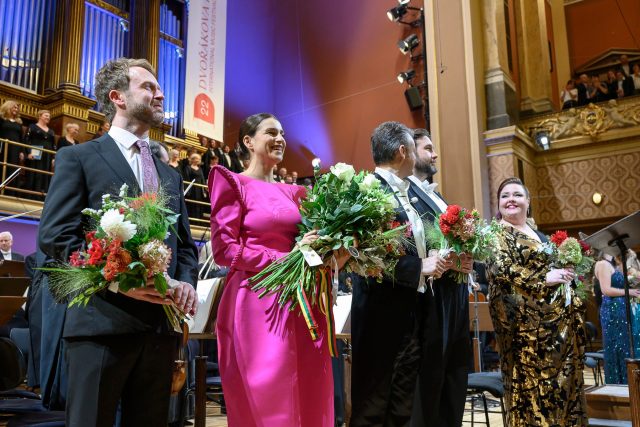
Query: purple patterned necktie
x: 149, y: 176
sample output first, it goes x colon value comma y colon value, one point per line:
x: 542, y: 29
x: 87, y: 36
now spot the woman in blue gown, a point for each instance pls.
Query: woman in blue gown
x: 615, y: 335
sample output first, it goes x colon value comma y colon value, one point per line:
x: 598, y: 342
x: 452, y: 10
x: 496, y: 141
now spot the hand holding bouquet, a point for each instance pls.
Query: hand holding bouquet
x: 124, y: 250
x: 350, y: 211
x: 460, y: 231
x: 569, y: 252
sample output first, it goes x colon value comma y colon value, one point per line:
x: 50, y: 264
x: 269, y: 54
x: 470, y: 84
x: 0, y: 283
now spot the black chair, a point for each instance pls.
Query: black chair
x: 24, y: 407
x: 480, y: 383
x: 593, y: 359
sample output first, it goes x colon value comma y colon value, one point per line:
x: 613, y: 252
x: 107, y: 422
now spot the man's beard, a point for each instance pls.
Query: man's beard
x: 428, y: 169
x: 147, y: 114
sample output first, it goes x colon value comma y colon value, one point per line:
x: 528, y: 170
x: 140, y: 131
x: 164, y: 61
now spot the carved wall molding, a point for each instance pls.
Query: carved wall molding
x: 593, y: 121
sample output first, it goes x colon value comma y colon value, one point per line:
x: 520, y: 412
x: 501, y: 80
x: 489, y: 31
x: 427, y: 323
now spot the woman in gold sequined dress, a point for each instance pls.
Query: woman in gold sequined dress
x: 541, y: 338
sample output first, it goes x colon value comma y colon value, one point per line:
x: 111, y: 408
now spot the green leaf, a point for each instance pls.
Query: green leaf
x: 160, y: 283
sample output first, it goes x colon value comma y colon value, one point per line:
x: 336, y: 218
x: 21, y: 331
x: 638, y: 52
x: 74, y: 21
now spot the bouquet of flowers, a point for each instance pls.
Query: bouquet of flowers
x: 458, y: 230
x: 569, y: 252
x: 124, y: 248
x: 350, y: 210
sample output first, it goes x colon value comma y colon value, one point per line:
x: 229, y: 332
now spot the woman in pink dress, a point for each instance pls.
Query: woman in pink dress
x: 273, y: 374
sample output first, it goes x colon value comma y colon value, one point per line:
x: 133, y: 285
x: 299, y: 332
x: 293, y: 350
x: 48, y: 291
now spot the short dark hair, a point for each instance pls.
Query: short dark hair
x: 114, y: 75
x: 420, y: 133
x: 248, y: 127
x: 387, y: 139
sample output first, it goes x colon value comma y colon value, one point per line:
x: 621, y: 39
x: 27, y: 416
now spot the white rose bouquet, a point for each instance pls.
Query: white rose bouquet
x: 350, y: 210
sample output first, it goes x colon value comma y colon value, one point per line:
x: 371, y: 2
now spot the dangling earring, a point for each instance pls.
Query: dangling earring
x: 529, y: 211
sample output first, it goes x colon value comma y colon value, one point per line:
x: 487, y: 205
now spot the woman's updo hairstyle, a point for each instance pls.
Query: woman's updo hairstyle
x: 248, y: 127
x: 512, y: 180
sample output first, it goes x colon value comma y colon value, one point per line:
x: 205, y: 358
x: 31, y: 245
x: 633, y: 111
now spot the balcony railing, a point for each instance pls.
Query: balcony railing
x: 23, y: 192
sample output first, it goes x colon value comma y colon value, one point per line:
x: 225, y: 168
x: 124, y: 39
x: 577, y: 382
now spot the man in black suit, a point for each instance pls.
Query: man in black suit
x: 119, y: 348
x: 445, y: 343
x: 6, y: 243
x: 384, y: 316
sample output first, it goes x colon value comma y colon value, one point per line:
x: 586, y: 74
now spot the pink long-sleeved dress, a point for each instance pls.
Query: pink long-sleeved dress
x: 273, y: 374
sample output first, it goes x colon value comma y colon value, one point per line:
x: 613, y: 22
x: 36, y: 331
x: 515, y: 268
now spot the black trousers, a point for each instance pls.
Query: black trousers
x: 135, y: 370
x: 446, y: 348
x: 386, y: 354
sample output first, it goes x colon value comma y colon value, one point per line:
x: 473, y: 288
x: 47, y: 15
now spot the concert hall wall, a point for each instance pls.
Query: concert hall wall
x: 326, y: 69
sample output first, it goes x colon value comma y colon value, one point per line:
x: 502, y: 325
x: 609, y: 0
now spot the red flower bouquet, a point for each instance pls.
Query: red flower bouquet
x: 459, y: 230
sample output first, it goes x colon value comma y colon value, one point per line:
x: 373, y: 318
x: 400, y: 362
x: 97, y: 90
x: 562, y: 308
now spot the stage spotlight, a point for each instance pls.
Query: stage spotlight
x: 408, y: 44
x: 396, y: 13
x: 543, y: 140
x: 406, y: 76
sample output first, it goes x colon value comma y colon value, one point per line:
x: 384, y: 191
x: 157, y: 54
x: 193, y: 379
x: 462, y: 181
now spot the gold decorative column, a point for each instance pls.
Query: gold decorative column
x: 62, y: 83
x: 145, y: 34
x: 64, y: 60
x: 534, y: 61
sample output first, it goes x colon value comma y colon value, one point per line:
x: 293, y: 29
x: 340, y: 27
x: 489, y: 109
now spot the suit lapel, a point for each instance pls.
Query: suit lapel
x: 424, y: 196
x: 112, y: 156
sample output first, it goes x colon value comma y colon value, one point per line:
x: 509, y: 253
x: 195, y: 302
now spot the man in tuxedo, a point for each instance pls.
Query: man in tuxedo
x: 444, y: 333
x: 119, y: 348
x: 6, y: 243
x: 384, y: 315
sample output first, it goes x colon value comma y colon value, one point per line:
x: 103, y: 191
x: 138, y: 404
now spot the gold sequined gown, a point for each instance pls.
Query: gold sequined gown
x: 541, y: 340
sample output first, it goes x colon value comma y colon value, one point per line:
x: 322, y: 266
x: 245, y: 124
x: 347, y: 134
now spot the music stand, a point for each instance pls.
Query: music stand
x: 618, y: 237
x: 10, y: 268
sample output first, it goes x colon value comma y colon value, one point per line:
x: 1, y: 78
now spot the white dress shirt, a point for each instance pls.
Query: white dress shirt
x: 428, y: 189
x: 400, y: 188
x: 125, y: 141
x: 6, y: 255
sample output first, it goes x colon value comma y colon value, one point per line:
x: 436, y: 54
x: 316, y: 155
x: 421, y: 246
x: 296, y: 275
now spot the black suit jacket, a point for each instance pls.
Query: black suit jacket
x: 14, y: 256
x: 83, y: 174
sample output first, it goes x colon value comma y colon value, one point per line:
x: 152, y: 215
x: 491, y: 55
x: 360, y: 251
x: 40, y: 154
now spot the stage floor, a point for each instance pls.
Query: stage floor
x: 216, y: 419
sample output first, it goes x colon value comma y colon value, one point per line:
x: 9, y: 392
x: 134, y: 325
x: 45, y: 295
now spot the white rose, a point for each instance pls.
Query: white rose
x: 391, y: 201
x: 369, y: 182
x: 114, y: 225
x: 343, y: 171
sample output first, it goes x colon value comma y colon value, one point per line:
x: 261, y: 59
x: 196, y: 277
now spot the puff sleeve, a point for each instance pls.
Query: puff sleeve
x: 228, y: 241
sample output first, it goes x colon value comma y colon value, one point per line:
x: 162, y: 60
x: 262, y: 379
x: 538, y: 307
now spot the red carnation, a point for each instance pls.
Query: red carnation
x: 559, y: 236
x: 76, y: 259
x: 96, y: 251
x: 585, y: 246
x: 90, y: 236
x: 454, y: 210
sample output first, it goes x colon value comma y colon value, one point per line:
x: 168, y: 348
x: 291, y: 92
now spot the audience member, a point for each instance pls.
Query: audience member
x: 231, y: 157
x: 6, y: 245
x: 209, y: 144
x: 635, y: 78
x: 282, y: 174
x: 612, y: 84
x: 294, y: 176
x: 159, y: 150
x: 569, y: 95
x: 583, y: 88
x: 174, y: 161
x: 69, y: 137
x: 11, y: 129
x: 624, y: 85
x: 196, y: 193
x: 104, y: 128
x: 624, y: 65
x: 599, y: 91
x: 41, y: 137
